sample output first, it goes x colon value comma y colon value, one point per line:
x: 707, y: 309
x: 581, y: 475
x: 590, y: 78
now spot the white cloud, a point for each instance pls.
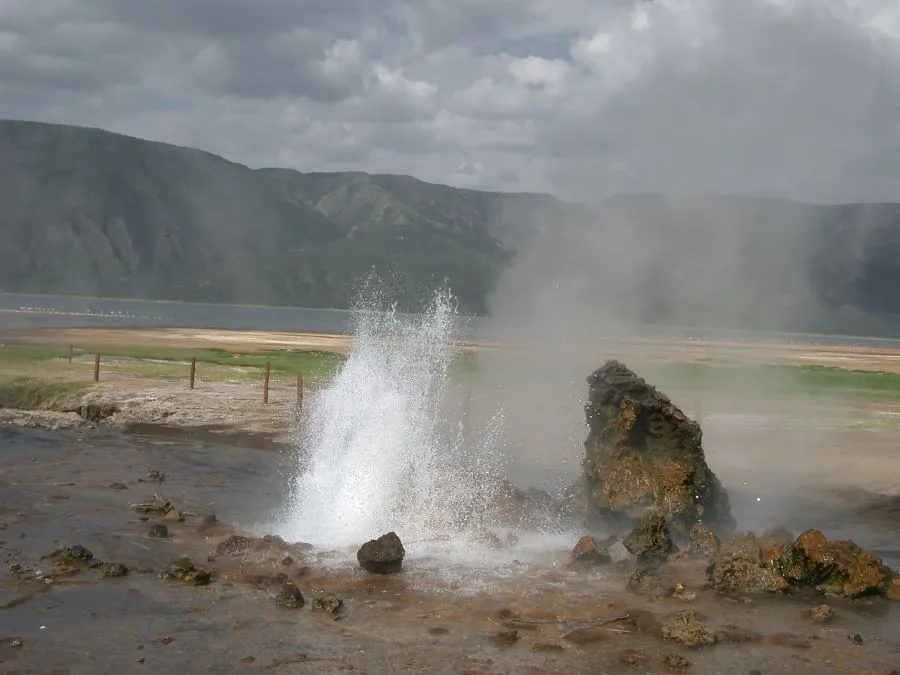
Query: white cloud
x: 579, y: 97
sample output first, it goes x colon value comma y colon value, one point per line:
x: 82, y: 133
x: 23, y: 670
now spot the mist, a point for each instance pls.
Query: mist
x: 595, y: 286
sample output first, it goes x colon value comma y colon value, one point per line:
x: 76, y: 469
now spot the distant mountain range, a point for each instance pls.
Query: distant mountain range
x: 85, y: 211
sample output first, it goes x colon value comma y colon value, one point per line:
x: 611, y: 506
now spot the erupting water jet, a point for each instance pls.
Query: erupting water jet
x: 376, y: 453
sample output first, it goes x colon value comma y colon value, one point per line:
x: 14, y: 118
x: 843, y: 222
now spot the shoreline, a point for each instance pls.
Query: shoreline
x: 152, y: 392
x: 849, y: 357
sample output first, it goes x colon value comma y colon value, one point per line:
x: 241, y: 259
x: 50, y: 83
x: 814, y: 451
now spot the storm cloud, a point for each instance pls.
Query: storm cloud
x: 791, y: 98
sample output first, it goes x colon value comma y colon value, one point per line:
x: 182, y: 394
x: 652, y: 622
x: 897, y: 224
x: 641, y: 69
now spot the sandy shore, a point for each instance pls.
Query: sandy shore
x: 839, y: 356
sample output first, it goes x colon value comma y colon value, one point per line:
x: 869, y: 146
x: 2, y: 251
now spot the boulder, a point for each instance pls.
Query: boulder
x: 589, y: 551
x: 650, y: 540
x: 838, y: 568
x: 383, y: 555
x: 643, y: 455
x: 743, y: 565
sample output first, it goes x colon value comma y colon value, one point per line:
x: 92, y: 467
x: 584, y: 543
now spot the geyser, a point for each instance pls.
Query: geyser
x: 376, y: 453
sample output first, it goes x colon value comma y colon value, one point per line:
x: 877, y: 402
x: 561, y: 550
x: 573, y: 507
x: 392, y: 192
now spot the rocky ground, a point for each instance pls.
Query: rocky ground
x: 145, y: 550
x: 96, y: 580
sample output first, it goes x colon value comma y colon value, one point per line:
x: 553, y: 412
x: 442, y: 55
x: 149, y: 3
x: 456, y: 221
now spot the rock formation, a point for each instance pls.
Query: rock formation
x: 644, y: 456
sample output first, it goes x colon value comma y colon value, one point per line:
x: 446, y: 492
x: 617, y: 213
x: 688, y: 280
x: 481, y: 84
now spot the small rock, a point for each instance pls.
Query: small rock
x: 856, y: 638
x: 684, y: 627
x: 325, y: 601
x: 755, y: 672
x: 158, y: 507
x: 198, y: 577
x: 821, y: 613
x: 141, y: 659
x: 704, y: 541
x: 77, y: 552
x: 383, y: 555
x: 110, y: 570
x: 16, y: 643
x: 651, y: 582
x: 15, y: 569
x: 118, y: 486
x: 289, y: 597
x: 676, y: 662
x: 682, y: 593
x: 589, y: 551
x: 287, y: 560
x: 650, y: 540
x: 183, y: 570
x: 159, y: 531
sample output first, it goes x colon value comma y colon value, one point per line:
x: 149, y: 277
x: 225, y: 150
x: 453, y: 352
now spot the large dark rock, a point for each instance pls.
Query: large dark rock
x: 383, y: 555
x: 644, y: 455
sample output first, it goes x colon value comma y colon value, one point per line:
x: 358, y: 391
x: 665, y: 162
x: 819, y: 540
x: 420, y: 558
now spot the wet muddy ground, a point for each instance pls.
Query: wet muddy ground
x: 513, y: 615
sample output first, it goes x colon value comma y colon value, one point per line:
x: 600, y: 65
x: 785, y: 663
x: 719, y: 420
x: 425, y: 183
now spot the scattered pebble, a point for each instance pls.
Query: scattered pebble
x: 110, y: 570
x: 821, y: 613
x: 326, y: 601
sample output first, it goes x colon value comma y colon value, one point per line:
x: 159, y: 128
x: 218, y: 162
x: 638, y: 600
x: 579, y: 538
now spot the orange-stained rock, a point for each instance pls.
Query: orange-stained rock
x: 833, y: 567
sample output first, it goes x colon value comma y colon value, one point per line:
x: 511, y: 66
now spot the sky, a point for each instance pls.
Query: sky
x: 580, y: 98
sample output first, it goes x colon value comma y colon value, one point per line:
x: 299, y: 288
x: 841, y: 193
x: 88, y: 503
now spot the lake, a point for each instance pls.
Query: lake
x: 24, y: 312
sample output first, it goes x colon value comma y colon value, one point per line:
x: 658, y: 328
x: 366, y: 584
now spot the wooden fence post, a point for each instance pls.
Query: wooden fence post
x: 266, y: 385
x: 71, y: 349
x: 193, y: 370
x: 97, y: 367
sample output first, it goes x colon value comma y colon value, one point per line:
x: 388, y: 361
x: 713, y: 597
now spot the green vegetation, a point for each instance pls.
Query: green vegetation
x: 28, y: 393
x: 776, y: 380
x: 24, y: 365
x: 315, y: 366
